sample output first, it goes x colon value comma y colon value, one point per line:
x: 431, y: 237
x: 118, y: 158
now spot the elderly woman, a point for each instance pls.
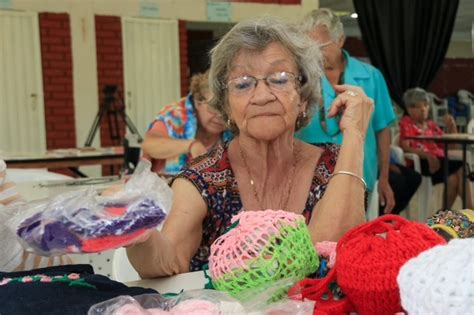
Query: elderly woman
x: 431, y: 154
x: 265, y: 77
x: 184, y: 129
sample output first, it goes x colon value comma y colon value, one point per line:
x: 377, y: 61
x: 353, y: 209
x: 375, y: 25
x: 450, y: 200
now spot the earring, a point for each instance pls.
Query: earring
x: 304, y: 114
x: 229, y: 122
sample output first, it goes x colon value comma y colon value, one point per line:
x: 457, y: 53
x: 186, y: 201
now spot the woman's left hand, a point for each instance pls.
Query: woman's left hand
x: 354, y: 107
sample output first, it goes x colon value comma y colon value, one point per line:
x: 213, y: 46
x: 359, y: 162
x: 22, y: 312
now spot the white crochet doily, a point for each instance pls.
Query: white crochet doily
x: 439, y: 280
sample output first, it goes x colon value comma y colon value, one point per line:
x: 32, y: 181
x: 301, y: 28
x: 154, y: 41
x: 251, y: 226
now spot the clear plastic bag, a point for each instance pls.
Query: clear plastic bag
x: 83, y: 221
x: 194, y: 302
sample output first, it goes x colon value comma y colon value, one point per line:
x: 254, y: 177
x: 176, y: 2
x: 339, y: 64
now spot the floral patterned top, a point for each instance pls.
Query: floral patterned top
x: 408, y: 128
x: 213, y: 177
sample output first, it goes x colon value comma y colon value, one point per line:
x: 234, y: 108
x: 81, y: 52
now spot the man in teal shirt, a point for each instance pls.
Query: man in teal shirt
x: 326, y: 29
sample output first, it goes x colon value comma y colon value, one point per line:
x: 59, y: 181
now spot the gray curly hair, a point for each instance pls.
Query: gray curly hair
x: 323, y: 17
x: 413, y: 96
x: 256, y: 35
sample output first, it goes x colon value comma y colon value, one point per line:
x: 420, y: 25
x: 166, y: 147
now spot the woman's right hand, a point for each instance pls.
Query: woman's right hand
x: 355, y: 108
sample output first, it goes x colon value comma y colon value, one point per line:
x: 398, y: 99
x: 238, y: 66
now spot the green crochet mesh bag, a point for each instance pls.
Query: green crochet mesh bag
x: 261, y: 250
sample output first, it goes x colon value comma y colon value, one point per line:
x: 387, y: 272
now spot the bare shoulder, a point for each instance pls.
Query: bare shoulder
x: 308, y: 154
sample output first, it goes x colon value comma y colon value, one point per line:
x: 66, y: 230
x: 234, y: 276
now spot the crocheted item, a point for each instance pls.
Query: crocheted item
x: 188, y: 307
x: 440, y: 280
x: 61, y: 230
x: 368, y: 260
x: 327, y: 250
x: 264, y: 247
x: 457, y: 224
x: 72, y: 279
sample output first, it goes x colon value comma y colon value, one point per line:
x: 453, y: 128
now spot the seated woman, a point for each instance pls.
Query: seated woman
x: 265, y: 77
x: 12, y: 255
x: 431, y: 154
x: 184, y: 130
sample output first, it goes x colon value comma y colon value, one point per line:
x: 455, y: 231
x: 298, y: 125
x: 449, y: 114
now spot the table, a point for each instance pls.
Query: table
x: 34, y: 190
x: 464, y: 139
x: 174, y: 284
x: 66, y: 158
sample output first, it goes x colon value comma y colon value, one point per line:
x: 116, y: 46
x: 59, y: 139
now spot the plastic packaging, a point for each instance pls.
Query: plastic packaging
x: 83, y: 221
x: 194, y: 302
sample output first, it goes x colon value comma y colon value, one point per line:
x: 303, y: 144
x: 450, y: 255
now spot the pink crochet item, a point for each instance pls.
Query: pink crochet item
x: 327, y: 249
x: 187, y: 307
x: 255, y: 228
x: 263, y: 248
x: 195, y: 307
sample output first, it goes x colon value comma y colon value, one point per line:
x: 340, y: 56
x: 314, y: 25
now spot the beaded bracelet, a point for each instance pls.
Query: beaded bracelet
x: 353, y: 175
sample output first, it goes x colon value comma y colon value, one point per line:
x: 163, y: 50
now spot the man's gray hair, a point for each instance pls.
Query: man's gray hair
x: 413, y: 96
x: 323, y: 17
x: 256, y: 35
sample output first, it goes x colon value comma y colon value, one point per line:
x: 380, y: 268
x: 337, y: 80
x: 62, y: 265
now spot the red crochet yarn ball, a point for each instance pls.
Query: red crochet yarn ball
x: 370, y: 256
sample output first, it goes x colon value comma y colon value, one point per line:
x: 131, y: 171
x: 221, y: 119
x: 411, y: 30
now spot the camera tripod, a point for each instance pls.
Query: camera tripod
x: 113, y: 106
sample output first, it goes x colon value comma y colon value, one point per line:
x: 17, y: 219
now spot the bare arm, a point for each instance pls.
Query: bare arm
x: 161, y: 147
x: 342, y: 206
x: 383, y: 141
x: 385, y: 191
x: 170, y: 251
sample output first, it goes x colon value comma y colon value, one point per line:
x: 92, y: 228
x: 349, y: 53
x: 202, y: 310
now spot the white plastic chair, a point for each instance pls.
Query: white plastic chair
x: 102, y: 262
x: 122, y: 269
x: 373, y: 203
x: 425, y: 189
x: 439, y: 108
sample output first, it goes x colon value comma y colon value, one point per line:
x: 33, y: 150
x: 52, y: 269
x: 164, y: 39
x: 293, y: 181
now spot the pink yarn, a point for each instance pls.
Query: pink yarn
x: 187, y: 307
x: 254, y: 230
x: 195, y: 307
x: 327, y: 249
x: 131, y: 309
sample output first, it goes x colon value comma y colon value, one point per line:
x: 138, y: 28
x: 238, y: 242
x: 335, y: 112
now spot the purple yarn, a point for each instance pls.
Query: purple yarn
x: 66, y: 231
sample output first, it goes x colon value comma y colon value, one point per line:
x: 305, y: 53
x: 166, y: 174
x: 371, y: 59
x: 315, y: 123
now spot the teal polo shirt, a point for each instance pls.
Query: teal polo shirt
x: 370, y: 79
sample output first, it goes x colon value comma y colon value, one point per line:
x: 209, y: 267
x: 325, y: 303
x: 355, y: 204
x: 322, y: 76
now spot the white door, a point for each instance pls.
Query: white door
x: 21, y: 86
x: 151, y: 67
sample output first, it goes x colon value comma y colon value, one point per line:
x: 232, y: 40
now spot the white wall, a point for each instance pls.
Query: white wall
x: 83, y: 36
x: 460, y: 49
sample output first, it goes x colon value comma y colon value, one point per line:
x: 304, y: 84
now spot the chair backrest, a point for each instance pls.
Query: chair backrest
x: 122, y: 269
x: 102, y: 262
x: 470, y: 126
x: 439, y: 108
x: 396, y: 139
x: 397, y: 153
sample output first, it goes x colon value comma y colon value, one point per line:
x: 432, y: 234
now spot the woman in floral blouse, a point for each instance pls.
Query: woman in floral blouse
x: 431, y: 154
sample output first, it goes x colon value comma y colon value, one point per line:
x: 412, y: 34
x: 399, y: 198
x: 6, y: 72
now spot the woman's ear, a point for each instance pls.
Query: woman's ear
x: 302, y: 106
x: 341, y: 41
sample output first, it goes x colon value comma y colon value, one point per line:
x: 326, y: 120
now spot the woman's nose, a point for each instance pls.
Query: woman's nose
x: 262, y: 93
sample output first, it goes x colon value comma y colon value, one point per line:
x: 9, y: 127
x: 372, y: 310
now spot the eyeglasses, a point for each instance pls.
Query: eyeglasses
x: 278, y: 82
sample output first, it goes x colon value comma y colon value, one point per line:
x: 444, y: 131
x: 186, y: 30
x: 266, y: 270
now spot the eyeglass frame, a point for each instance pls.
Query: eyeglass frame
x: 298, y: 79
